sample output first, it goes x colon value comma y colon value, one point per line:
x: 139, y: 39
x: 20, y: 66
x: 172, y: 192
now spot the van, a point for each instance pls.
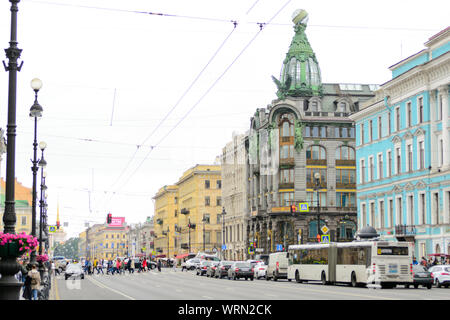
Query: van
x: 277, y: 267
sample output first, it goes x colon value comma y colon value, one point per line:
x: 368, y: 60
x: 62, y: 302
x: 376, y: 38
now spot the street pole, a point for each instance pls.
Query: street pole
x: 223, y: 231
x: 317, y: 177
x: 9, y: 285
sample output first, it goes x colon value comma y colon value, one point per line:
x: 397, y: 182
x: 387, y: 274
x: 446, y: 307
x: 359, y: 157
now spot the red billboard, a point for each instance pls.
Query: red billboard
x: 117, y: 222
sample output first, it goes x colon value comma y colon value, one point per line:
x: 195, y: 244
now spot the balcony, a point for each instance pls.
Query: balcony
x: 405, y: 232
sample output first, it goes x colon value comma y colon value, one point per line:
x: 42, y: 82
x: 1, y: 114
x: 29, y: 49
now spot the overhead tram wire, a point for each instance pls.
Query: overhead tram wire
x: 177, y: 103
x: 206, y: 93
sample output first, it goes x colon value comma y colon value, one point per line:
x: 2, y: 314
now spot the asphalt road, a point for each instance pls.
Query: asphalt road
x: 170, y: 285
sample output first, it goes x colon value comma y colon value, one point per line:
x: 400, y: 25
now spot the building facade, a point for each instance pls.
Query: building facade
x: 234, y: 197
x: 141, y: 237
x: 302, y: 150
x: 403, y: 151
x: 187, y: 214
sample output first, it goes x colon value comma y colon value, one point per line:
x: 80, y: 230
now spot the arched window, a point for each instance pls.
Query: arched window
x: 347, y: 229
x: 286, y: 125
x: 312, y: 228
x: 345, y: 153
x: 316, y: 152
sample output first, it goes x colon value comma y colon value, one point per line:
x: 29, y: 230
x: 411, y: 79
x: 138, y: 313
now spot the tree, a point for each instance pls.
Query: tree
x: 68, y: 249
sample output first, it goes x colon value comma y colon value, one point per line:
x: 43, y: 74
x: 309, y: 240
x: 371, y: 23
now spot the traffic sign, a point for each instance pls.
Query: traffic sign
x: 325, y: 229
x: 303, y: 207
x: 224, y: 247
x: 325, y: 238
x: 51, y: 229
x: 279, y: 247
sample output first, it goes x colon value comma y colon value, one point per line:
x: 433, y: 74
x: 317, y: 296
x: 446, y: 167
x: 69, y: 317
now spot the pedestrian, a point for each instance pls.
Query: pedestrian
x: 131, y: 269
x: 35, y: 282
x: 159, y: 265
x: 144, y: 264
x: 174, y: 263
x: 415, y: 261
x: 122, y: 267
x: 27, y: 286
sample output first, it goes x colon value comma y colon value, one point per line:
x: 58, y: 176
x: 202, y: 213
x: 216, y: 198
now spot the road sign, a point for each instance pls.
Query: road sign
x: 303, y: 207
x: 279, y: 247
x: 224, y: 247
x: 51, y: 229
x: 325, y: 229
x: 325, y: 238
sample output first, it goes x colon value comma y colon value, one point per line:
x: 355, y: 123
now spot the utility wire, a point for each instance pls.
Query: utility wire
x: 204, y: 95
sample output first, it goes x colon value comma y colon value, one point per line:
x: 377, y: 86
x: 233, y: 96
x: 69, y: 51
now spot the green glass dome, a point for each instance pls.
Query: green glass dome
x: 300, y: 75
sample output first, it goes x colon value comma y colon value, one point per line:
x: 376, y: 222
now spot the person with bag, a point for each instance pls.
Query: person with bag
x: 35, y: 282
x: 27, y: 285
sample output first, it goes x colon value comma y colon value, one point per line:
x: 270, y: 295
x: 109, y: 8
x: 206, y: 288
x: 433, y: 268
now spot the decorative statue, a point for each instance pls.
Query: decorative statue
x: 298, y: 144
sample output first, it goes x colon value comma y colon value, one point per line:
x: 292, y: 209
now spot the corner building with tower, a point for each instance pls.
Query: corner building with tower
x: 301, y: 149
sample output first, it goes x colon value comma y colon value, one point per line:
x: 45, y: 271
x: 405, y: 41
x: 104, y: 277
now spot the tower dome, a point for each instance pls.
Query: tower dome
x: 300, y: 75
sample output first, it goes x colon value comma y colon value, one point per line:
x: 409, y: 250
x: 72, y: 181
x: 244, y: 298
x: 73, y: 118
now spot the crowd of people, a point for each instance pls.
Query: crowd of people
x: 121, y: 265
x: 428, y: 263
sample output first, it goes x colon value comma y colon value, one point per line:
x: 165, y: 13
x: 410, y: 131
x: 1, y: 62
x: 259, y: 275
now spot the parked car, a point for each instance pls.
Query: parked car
x: 259, y: 270
x: 211, y: 269
x: 240, y: 269
x: 441, y: 275
x: 421, y: 277
x: 191, y: 264
x: 278, y: 266
x: 74, y: 270
x: 222, y: 269
x: 203, y: 266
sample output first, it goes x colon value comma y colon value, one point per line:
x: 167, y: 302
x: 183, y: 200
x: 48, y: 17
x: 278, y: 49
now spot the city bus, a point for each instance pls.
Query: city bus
x: 357, y: 263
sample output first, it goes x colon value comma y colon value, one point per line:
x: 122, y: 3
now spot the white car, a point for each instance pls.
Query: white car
x: 259, y: 270
x: 441, y: 275
x: 193, y: 263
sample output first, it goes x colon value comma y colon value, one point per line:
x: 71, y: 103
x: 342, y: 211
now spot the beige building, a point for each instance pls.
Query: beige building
x: 196, y: 199
x: 234, y: 195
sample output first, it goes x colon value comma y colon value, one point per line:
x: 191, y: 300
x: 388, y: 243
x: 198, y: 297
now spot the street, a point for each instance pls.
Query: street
x: 170, y: 285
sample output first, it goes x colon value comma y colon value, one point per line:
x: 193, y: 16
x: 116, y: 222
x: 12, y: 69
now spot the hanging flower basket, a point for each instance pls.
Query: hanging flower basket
x: 16, y: 245
x: 42, y: 258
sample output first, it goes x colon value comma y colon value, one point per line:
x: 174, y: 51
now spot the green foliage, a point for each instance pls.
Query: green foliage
x: 69, y: 249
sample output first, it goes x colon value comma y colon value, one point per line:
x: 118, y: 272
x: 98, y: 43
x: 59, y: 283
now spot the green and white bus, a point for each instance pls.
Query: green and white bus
x: 356, y: 263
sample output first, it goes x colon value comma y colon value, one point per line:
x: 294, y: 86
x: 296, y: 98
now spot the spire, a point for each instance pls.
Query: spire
x: 300, y: 75
x: 57, y: 215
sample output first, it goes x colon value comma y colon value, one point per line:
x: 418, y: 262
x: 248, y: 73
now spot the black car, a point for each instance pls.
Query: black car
x: 74, y: 270
x: 422, y: 277
x: 241, y: 269
x: 222, y: 269
x: 203, y: 266
x: 211, y: 269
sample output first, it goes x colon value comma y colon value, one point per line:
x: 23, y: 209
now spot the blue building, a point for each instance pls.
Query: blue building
x: 403, y: 152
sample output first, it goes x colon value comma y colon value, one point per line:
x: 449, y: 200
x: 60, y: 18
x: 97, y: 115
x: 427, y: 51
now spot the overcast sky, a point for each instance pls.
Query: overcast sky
x: 112, y: 71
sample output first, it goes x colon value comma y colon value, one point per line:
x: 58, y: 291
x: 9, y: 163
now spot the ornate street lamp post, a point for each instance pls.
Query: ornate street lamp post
x: 317, y: 187
x: 9, y: 285
x: 223, y: 232
x: 42, y: 164
x: 35, y: 112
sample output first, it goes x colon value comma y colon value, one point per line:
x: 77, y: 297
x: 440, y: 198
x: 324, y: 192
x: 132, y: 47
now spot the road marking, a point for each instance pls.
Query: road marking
x: 101, y: 285
x: 56, y: 288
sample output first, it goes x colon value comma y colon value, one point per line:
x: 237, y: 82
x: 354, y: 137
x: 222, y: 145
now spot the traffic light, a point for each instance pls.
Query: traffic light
x: 109, y: 218
x: 57, y: 225
x: 191, y: 225
x: 293, y: 208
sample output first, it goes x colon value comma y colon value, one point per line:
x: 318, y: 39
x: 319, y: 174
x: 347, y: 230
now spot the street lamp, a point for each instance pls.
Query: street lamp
x: 9, y: 285
x: 317, y: 187
x: 204, y: 220
x: 42, y: 164
x: 35, y: 112
x: 223, y: 232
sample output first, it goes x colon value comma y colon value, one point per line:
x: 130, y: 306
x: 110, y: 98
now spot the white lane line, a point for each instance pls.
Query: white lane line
x: 101, y: 285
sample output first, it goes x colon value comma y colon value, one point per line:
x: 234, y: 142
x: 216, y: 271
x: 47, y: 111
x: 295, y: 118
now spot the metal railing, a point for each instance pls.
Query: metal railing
x: 405, y: 230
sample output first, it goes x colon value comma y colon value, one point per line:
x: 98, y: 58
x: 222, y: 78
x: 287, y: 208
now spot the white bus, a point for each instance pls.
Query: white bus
x: 356, y: 263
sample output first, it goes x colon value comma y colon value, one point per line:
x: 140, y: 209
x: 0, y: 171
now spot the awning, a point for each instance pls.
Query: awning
x: 160, y: 256
x: 181, y: 256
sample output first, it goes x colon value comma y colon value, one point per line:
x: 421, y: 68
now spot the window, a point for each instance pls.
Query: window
x: 207, y: 184
x: 380, y: 128
x: 206, y: 218
x: 345, y: 176
x: 420, y: 109
x: 218, y: 201
x: 391, y: 213
x: 372, y: 215
x: 219, y: 184
x: 389, y: 163
x: 381, y: 211
x: 408, y: 115
x: 315, y: 153
x: 345, y: 199
x: 286, y: 198
x: 389, y: 123
x: 24, y: 220
x: 422, y: 208
x: 310, y: 177
x: 345, y: 153
x: 363, y: 215
x: 315, y: 132
x: 397, y: 119
x: 380, y: 166
x: 410, y: 211
x: 441, y: 152
x: 371, y: 169
x: 410, y: 157
x: 421, y: 155
x: 207, y: 201
x: 287, y: 176
x: 311, y: 198
x: 363, y: 171
x: 361, y: 127
x: 307, y: 131
x: 399, y: 211
x: 398, y: 156
x: 370, y: 130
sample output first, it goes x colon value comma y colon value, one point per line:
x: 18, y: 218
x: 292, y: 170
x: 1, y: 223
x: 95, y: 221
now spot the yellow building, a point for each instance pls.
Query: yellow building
x: 195, y: 199
x: 23, y: 207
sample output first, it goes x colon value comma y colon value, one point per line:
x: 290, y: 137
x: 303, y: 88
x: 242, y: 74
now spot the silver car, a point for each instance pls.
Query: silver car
x: 74, y: 270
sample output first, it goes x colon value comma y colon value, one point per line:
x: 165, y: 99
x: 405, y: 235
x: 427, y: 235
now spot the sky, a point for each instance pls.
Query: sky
x: 137, y: 92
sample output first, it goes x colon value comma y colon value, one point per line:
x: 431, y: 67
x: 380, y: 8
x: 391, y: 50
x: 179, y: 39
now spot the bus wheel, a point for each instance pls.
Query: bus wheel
x: 353, y: 280
x: 323, y: 278
x: 297, y: 277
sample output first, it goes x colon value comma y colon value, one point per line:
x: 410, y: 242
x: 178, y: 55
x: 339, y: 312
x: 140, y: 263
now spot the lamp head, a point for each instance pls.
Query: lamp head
x: 317, y: 176
x: 42, y: 145
x: 36, y: 84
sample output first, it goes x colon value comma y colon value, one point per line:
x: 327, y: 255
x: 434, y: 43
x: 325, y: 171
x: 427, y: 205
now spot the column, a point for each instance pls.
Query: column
x: 443, y: 94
